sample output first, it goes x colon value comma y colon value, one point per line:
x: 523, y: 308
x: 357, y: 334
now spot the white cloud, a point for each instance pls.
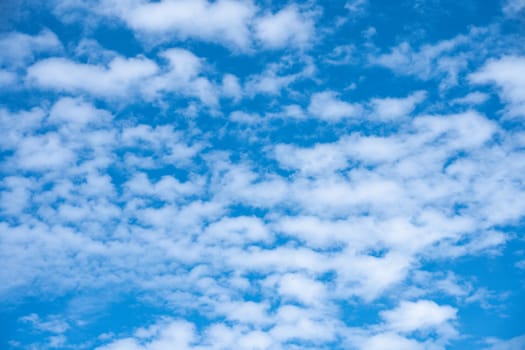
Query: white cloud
x: 236, y: 231
x: 516, y: 343
x: 90, y: 50
x: 513, y: 8
x: 7, y: 78
x: 277, y: 77
x: 372, y: 276
x: 288, y: 27
x: 231, y: 87
x: 374, y: 149
x: 184, y: 65
x: 342, y: 54
x: 393, y: 108
x: 43, y: 152
x: 168, y: 188
x: 508, y: 74
x: 53, y: 324
x: 167, y: 334
x: 224, y: 21
x: 237, y: 24
x: 18, y: 49
x: 50, y: 330
x: 18, y: 125
x: 244, y: 118
x: 356, y: 5
x: 301, y: 288
x: 131, y: 77
x: 407, y: 327
x: 520, y: 264
x: 458, y: 128
x: 238, y: 183
x: 166, y: 143
x: 472, y: 98
x: 117, y: 79
x: 314, y: 160
x: 77, y: 112
x: 419, y: 315
x: 183, y: 77
x: 389, y: 341
x: 292, y: 111
x: 328, y: 107
x: 444, y: 60
x: 249, y: 312
x: 296, y: 324
x: 366, y: 208
x: 15, y: 195
x: 268, y: 82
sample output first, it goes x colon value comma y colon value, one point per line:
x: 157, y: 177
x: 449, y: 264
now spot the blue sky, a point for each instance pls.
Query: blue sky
x: 236, y: 174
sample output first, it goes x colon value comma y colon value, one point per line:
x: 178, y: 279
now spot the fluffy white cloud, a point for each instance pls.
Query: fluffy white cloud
x: 237, y: 24
x: 508, y: 74
x: 183, y: 77
x: 301, y: 288
x: 77, y: 112
x: 329, y: 185
x: 166, y: 335
x: 118, y: 78
x: 392, y: 108
x: 231, y: 87
x: 314, y: 160
x: 18, y: 49
x: 402, y: 323
x: 223, y: 21
x: 132, y: 77
x: 267, y: 224
x: 43, y: 152
x: 288, y: 27
x: 419, y: 315
x: 389, y: 341
x: 328, y: 107
x: 236, y: 231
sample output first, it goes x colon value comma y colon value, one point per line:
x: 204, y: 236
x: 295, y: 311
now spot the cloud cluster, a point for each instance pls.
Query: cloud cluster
x: 506, y: 74
x: 364, y: 208
x: 238, y: 24
x: 407, y: 318
x: 258, y: 201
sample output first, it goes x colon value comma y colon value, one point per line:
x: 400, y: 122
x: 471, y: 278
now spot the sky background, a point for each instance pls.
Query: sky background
x: 229, y: 174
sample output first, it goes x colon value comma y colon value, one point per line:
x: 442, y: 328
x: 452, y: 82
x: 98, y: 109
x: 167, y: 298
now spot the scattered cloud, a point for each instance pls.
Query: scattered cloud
x: 392, y: 108
x: 513, y: 7
x: 511, y: 344
x: 506, y: 74
x: 445, y: 59
x: 421, y: 315
x: 288, y: 27
x: 328, y: 107
x: 19, y: 49
x: 115, y: 79
x: 223, y: 21
x: 472, y: 98
x: 197, y: 175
